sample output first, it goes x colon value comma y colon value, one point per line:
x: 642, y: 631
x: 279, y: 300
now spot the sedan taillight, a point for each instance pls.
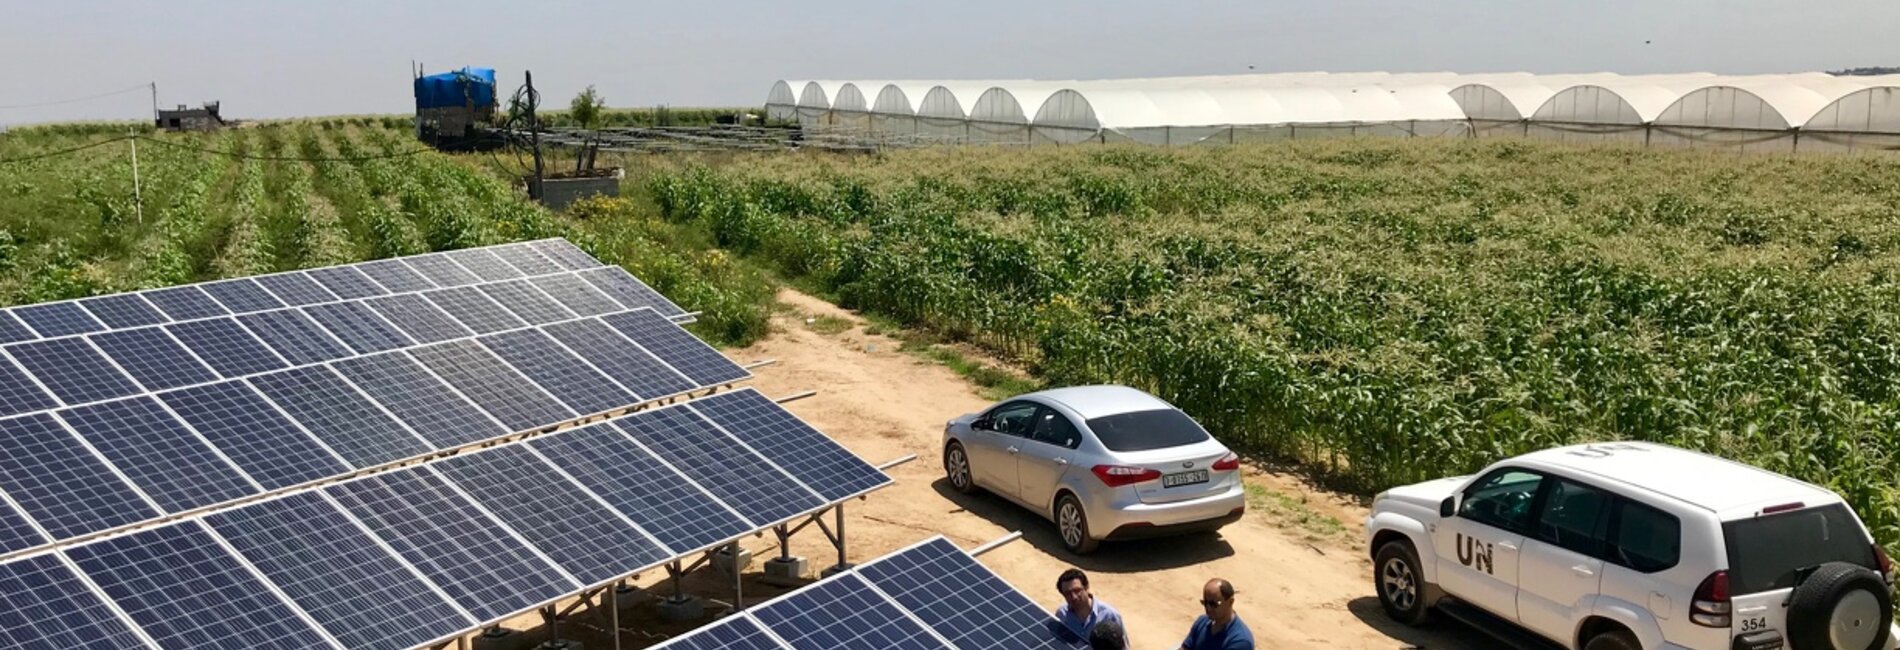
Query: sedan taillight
x: 1118, y: 475
x: 1227, y: 463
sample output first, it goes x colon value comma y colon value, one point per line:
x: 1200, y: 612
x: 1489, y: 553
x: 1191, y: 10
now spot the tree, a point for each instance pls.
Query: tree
x: 586, y: 108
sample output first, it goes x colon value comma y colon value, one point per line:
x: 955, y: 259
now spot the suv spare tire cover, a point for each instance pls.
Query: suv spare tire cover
x: 1847, y: 589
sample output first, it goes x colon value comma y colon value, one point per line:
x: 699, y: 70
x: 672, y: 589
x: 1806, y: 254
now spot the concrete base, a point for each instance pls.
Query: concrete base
x: 722, y: 559
x: 786, y: 571
x: 628, y: 597
x: 560, y: 644
x: 835, y: 570
x: 500, y: 639
x: 680, y: 609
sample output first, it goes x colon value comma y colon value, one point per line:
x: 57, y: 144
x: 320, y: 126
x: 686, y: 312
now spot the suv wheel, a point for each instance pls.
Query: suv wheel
x: 956, y: 467
x: 1840, y: 606
x: 1072, y: 522
x: 1613, y: 640
x: 1397, y: 578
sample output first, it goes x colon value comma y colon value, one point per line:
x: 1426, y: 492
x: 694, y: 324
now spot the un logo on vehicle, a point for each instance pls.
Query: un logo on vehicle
x: 1474, y: 553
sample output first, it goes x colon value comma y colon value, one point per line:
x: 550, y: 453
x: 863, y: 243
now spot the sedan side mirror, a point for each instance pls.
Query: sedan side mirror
x: 1448, y: 507
x: 982, y: 423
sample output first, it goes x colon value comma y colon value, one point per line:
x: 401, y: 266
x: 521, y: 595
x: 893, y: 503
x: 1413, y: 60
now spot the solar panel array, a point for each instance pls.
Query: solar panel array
x: 430, y: 551
x: 931, y: 596
x: 123, y: 408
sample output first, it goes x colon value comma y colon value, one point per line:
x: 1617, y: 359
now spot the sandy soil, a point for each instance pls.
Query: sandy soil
x: 1297, y: 589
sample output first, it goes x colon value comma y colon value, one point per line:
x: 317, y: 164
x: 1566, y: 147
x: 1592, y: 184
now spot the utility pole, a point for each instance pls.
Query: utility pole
x: 154, y: 102
x: 534, y: 134
x: 138, y: 196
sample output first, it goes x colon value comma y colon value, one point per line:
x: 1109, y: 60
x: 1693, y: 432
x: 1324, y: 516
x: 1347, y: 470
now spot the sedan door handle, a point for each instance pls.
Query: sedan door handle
x: 1014, y: 450
x: 1507, y: 546
x: 1062, y: 461
x: 1583, y: 570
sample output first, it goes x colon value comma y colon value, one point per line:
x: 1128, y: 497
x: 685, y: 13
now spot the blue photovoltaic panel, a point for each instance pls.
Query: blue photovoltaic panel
x: 358, y: 327
x: 346, y: 282
x: 485, y: 265
x: 123, y: 310
x: 242, y: 295
x: 73, y: 370
x: 666, y: 340
x: 733, y: 633
x: 43, y: 604
x: 227, y: 346
x: 184, y: 303
x: 498, y: 389
x: 812, y: 457
x: 577, y: 295
x: 186, y: 591
x: 843, y: 614
x: 564, y: 375
x: 640, y: 372
x: 61, y: 485
x: 443, y: 535
x: 167, y: 462
x: 441, y: 270
x: 566, y: 254
x: 16, y: 533
x: 593, y: 543
x: 334, y: 412
x: 394, y: 275
x: 963, y: 601
x: 294, y: 336
x: 475, y: 310
x: 295, y: 289
x: 58, y: 319
x: 152, y: 358
x: 420, y: 400
x: 255, y: 436
x: 18, y: 393
x: 11, y: 330
x: 524, y: 257
x: 681, y: 516
x: 630, y: 291
x: 740, y: 478
x: 527, y: 302
x: 418, y: 318
x: 337, y: 573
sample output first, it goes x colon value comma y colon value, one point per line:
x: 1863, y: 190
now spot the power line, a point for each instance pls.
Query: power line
x: 213, y: 152
x: 76, y: 100
x: 62, y: 152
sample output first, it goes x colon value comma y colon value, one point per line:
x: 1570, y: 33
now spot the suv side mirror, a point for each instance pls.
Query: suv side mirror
x: 1448, y: 507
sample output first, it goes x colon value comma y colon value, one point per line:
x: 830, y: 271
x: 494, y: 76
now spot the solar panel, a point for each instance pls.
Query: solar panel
x: 613, y: 354
x: 347, y: 282
x: 123, y: 310
x: 184, y: 303
x: 358, y: 327
x: 186, y: 591
x: 565, y: 253
x: 734, y: 633
x: 61, y: 485
x: 226, y: 346
x: 488, y: 572
x: 152, y: 358
x: 666, y: 340
x: 562, y: 374
x: 163, y: 458
x: 242, y: 295
x: 592, y: 543
x: 524, y: 257
x: 295, y: 289
x: 492, y: 385
x: 441, y: 270
x: 294, y: 336
x: 681, y: 516
x: 484, y: 264
x: 337, y: 573
x: 18, y: 393
x: 419, y: 399
x: 43, y: 604
x: 330, y: 409
x: 16, y: 533
x: 12, y: 330
x: 576, y: 294
x: 630, y: 291
x: 843, y: 614
x: 395, y: 275
x: 527, y: 302
x: 475, y: 310
x: 252, y: 434
x: 739, y: 477
x: 58, y: 319
x: 73, y: 370
x: 418, y: 318
x: 963, y: 601
x: 811, y: 457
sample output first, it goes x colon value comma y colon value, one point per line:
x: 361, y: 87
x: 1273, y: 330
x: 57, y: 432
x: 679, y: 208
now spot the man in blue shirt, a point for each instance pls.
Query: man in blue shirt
x: 1219, y: 628
x: 1081, y: 610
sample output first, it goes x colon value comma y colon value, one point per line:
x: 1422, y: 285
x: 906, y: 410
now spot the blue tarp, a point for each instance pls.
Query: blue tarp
x: 467, y: 86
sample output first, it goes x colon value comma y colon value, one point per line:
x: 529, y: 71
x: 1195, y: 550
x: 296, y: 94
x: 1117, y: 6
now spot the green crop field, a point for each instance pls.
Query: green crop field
x: 1386, y: 311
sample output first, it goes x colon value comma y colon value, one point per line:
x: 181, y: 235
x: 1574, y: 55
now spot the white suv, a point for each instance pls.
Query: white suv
x: 1634, y: 545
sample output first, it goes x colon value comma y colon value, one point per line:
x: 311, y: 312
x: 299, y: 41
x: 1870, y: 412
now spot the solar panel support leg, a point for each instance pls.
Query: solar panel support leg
x: 613, y: 613
x: 837, y: 540
x: 738, y: 580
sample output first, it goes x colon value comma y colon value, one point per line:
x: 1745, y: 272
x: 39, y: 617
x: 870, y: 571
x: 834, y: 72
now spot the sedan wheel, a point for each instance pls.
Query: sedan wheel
x: 956, y: 467
x: 1073, y: 523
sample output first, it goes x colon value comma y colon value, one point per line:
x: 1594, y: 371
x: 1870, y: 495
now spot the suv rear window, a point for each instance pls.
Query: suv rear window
x: 1766, y: 553
x: 1145, y: 430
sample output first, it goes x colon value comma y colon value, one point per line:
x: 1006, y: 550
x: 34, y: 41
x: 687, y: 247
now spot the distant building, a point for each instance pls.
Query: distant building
x: 204, y: 118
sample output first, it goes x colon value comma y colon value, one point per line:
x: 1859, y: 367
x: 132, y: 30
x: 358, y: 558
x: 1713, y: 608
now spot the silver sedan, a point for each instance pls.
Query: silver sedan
x: 1102, y: 462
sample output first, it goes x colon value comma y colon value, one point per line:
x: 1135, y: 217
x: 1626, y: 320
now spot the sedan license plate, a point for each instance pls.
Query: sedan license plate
x: 1184, y: 478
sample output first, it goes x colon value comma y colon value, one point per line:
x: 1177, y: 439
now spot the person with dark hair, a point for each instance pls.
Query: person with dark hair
x: 1219, y: 628
x: 1108, y: 635
x: 1081, y: 610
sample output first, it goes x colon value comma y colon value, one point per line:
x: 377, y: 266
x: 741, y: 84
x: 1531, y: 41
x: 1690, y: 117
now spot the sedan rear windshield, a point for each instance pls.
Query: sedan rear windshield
x: 1769, y: 552
x: 1145, y: 430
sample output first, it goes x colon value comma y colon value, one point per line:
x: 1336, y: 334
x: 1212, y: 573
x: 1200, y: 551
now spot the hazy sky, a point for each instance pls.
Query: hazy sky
x: 267, y: 58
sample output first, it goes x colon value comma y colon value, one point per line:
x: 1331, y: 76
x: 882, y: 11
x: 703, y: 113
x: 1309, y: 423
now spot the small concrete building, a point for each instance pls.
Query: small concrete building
x: 204, y: 118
